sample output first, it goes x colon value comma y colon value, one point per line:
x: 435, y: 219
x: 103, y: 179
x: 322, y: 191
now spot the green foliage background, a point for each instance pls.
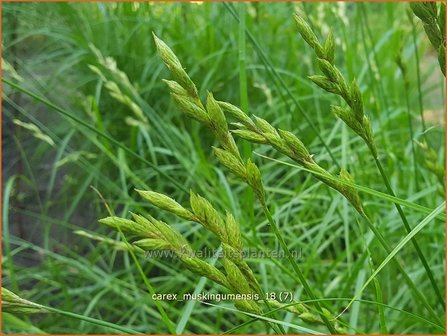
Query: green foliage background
x: 50, y: 48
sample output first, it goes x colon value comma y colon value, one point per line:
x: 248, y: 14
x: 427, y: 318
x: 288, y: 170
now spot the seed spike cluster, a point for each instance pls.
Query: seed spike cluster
x: 261, y: 131
x: 432, y: 16
x: 153, y: 235
x: 333, y: 81
x: 156, y: 235
x: 213, y: 117
x: 291, y: 146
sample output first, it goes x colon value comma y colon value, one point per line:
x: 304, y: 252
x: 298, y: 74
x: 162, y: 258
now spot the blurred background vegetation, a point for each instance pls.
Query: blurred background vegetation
x: 97, y: 61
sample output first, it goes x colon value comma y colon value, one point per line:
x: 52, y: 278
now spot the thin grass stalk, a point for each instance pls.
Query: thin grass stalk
x: 407, y: 278
x: 243, y: 94
x: 418, y: 72
x: 403, y: 70
x: 439, y: 296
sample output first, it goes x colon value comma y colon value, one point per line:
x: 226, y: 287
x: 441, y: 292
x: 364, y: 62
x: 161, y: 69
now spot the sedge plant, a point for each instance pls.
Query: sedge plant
x: 185, y: 95
x: 353, y: 115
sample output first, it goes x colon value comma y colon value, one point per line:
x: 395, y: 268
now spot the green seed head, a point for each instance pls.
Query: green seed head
x: 175, y: 67
x: 175, y: 88
x: 356, y: 101
x: 125, y: 225
x: 233, y: 232
x: 329, y: 48
x: 264, y: 125
x: 254, y: 180
x: 208, y: 216
x: 235, y: 277
x: 422, y: 11
x: 12, y: 303
x: 149, y: 244
x: 324, y: 83
x: 230, y: 161
x: 166, y: 203
x: 295, y: 145
x: 189, y: 106
x: 202, y: 268
x: 249, y: 136
x: 216, y: 114
x: 237, y: 114
x: 309, y: 36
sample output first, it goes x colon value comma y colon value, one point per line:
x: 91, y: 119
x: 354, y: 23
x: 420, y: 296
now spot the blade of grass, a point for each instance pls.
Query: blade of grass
x: 421, y: 256
x: 398, y: 247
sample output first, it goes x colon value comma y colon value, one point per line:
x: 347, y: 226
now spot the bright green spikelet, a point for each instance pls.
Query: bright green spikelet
x: 324, y: 83
x: 249, y: 136
x: 328, y: 69
x: 160, y: 230
x: 188, y: 106
x: 202, y: 268
x: 335, y: 76
x: 350, y: 193
x: 254, y: 180
x: 175, y: 67
x: 278, y: 143
x: 12, y: 303
x: 295, y: 145
x: 432, y: 15
x: 356, y: 101
x: 329, y: 48
x: 216, y: 114
x: 125, y: 225
x: 175, y: 88
x: 230, y: 161
x: 233, y: 231
x: 264, y: 125
x: 207, y: 215
x: 235, y: 277
x: 309, y: 36
x: 150, y: 244
x: 237, y: 114
x: 166, y: 203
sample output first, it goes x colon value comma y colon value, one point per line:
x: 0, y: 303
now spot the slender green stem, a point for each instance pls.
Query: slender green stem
x: 408, y: 229
x: 297, y: 270
x: 418, y: 74
x: 410, y: 127
x: 243, y: 92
